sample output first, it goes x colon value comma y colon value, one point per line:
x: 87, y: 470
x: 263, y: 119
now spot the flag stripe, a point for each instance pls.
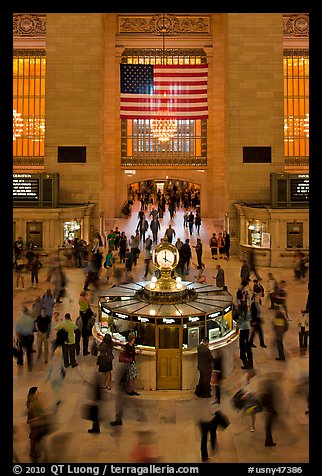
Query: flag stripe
x: 147, y: 90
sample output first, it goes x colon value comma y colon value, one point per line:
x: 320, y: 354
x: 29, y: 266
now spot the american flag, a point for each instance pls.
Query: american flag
x: 179, y: 91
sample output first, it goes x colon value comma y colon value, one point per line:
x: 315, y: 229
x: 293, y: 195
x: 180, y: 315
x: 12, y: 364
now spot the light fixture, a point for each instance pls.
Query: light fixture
x: 164, y: 126
x: 35, y: 129
x: 17, y: 124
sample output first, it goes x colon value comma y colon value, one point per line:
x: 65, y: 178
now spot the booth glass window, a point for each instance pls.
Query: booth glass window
x: 214, y: 327
x: 294, y: 235
x: 34, y: 233
x: 256, y: 229
x: 193, y: 333
x: 71, y: 230
x: 145, y: 333
x: 169, y: 337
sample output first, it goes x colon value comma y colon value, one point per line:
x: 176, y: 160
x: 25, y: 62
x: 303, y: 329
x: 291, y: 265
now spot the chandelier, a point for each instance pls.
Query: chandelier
x: 163, y: 129
x: 163, y: 126
x: 35, y: 129
x: 17, y: 124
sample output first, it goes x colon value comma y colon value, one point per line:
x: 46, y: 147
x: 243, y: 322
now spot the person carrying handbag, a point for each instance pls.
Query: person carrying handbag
x: 131, y: 371
x: 104, y: 361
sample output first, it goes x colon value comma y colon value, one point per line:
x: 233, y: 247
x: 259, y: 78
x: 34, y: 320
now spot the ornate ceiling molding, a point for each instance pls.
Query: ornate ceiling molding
x: 164, y: 24
x: 29, y: 25
x: 296, y: 25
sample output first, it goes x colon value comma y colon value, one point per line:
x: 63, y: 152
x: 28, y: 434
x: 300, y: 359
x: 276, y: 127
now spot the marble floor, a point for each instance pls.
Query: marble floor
x: 169, y: 418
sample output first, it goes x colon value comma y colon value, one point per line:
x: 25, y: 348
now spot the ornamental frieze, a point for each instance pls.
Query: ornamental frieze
x: 296, y: 25
x: 165, y: 24
x: 28, y: 24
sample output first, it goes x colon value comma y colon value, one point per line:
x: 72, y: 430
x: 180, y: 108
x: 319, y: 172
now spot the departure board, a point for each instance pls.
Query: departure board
x: 300, y: 189
x: 35, y: 190
x: 25, y: 188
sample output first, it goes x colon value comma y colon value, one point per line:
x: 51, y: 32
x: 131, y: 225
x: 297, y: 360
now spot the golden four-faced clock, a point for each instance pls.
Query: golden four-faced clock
x: 165, y: 257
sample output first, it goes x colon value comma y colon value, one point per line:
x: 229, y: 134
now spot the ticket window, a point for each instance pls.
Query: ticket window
x: 34, y: 233
x: 145, y: 333
x: 294, y: 235
x: 71, y: 230
x: 255, y: 231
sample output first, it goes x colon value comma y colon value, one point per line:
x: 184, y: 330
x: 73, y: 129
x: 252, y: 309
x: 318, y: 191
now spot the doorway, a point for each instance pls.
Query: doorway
x: 169, y: 357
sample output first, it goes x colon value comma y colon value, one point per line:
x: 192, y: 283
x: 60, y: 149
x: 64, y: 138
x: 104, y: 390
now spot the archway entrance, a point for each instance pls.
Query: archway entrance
x: 188, y: 193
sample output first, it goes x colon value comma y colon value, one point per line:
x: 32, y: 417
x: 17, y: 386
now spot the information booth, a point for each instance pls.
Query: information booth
x: 169, y: 325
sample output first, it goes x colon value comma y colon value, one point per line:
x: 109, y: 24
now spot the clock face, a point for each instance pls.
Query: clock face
x: 166, y: 258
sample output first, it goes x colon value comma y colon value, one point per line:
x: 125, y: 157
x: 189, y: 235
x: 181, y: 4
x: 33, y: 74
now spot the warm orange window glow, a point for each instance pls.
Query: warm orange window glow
x: 296, y: 105
x: 29, y: 70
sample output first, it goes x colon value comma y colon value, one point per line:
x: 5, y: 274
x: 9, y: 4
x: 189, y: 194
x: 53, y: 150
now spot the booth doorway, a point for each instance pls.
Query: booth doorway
x: 169, y: 357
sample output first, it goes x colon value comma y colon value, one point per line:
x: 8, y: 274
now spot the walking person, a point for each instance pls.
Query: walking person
x: 256, y: 321
x: 155, y: 227
x: 198, y: 223
x: 131, y: 370
x: 185, y: 219
x: 210, y: 427
x: 142, y: 228
x: 226, y: 237
x: 147, y: 256
x: 48, y: 302
x: 42, y: 324
x: 220, y: 277
x: 105, y: 361
x: 18, y: 247
x: 221, y: 245
x: 243, y: 298
x: 303, y: 328
x: 280, y: 326
x: 281, y: 298
x: 170, y: 233
x: 68, y: 347
x: 272, y: 287
x: 134, y: 246
x: 245, y: 350
x: 20, y: 268
x: 270, y: 399
x: 213, y: 243
x: 25, y: 329
x: 245, y: 271
x: 205, y: 366
x: 217, y: 375
x: 198, y: 248
x: 185, y: 257
x: 191, y: 220
x: 35, y: 267
x: 252, y: 263
x: 39, y: 421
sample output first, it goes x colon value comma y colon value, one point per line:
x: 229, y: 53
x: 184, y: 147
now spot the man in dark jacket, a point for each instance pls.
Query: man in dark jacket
x: 205, y: 366
x: 184, y: 257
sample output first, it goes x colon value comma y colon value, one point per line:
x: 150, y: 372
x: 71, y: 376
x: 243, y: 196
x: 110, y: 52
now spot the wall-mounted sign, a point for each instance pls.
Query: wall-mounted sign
x: 25, y: 188
x: 300, y: 189
x: 35, y: 189
x: 290, y: 190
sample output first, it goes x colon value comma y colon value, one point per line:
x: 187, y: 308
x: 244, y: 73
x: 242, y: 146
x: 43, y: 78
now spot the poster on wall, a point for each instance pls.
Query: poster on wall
x: 266, y: 240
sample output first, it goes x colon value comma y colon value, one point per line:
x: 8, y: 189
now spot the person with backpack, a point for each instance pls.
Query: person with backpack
x: 213, y: 243
x: 68, y: 346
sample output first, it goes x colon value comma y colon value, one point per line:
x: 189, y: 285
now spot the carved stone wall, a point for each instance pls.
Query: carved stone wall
x: 29, y: 25
x: 296, y: 25
x: 165, y: 24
